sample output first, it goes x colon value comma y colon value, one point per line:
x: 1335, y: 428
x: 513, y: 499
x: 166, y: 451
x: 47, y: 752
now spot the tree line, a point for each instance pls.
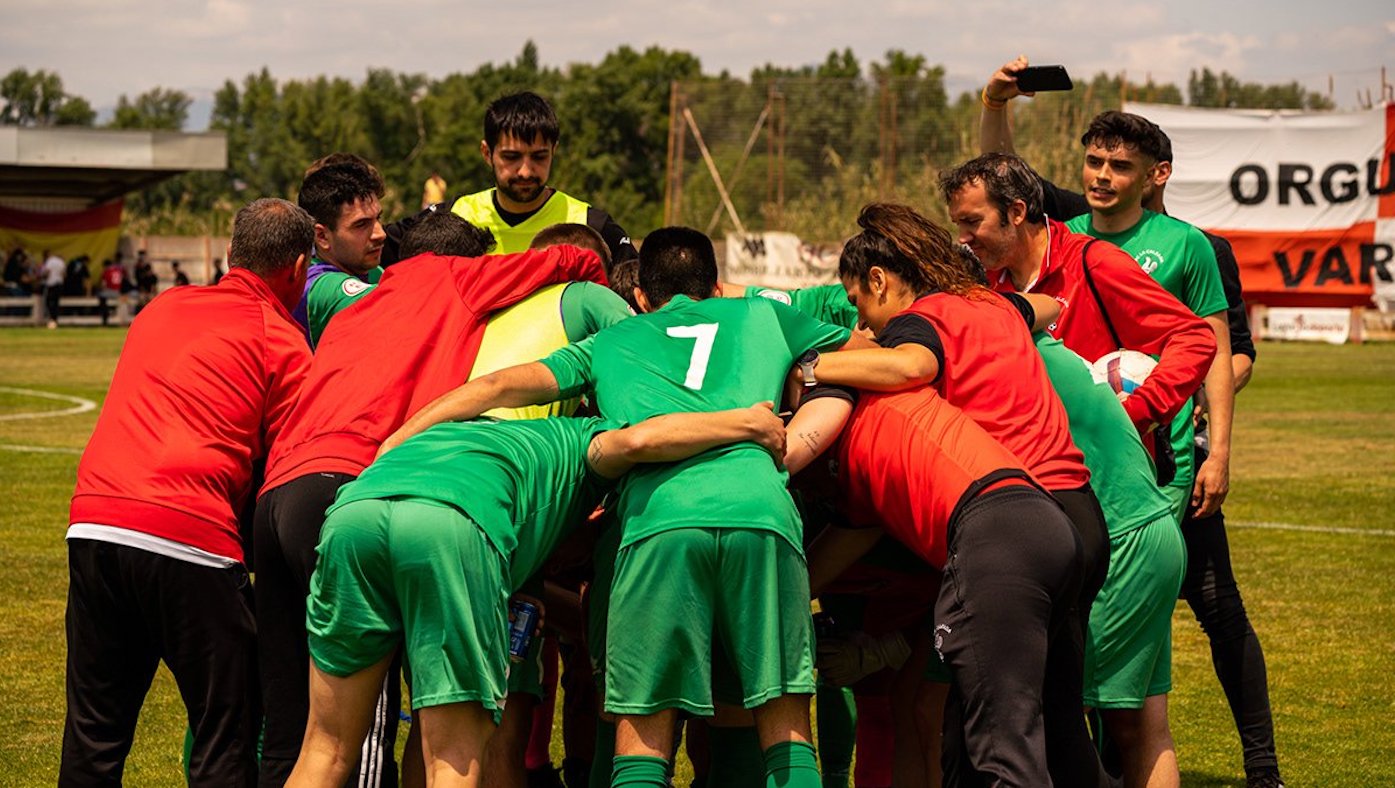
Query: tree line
x: 849, y: 130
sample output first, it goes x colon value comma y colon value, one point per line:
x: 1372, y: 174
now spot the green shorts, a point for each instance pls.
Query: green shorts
x: 1128, y: 649
x: 598, y: 598
x: 685, y: 597
x: 418, y: 573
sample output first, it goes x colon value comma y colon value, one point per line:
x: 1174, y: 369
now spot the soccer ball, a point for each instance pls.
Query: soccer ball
x: 1123, y: 370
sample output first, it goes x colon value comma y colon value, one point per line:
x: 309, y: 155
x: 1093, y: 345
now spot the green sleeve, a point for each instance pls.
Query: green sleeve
x: 1205, y: 292
x: 803, y: 333
x: 330, y: 294
x: 828, y: 303
x: 588, y: 307
x: 571, y: 365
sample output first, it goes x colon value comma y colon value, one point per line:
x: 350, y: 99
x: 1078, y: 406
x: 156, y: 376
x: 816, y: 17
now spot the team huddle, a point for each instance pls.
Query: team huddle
x: 416, y: 437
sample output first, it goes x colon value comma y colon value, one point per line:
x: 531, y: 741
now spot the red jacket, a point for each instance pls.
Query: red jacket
x: 993, y: 373
x: 412, y: 339
x: 1148, y: 318
x: 205, y: 382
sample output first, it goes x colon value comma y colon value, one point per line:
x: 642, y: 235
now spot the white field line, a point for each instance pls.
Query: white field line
x: 39, y: 449
x: 1315, y: 529
x: 80, y: 405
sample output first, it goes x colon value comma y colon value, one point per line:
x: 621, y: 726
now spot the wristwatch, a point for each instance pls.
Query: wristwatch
x: 807, y: 362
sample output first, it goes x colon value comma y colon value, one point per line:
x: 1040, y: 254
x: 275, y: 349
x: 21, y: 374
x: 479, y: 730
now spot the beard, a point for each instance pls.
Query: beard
x: 521, y: 190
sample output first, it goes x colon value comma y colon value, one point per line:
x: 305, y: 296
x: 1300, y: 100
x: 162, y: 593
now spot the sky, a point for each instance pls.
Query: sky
x: 106, y: 48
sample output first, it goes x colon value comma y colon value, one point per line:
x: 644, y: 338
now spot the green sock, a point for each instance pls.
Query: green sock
x: 837, y: 715
x: 736, y: 758
x: 639, y: 770
x: 603, y: 763
x: 791, y: 764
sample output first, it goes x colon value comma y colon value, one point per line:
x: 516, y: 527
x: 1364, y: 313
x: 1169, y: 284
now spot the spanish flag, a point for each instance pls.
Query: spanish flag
x: 93, y: 231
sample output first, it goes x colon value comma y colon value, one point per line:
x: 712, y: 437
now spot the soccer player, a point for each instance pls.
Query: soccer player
x: 413, y: 560
x: 1120, y: 165
x: 1128, y: 664
x: 413, y: 338
x: 938, y: 325
x: 342, y: 192
x: 698, y: 576
x: 520, y: 143
x: 206, y: 382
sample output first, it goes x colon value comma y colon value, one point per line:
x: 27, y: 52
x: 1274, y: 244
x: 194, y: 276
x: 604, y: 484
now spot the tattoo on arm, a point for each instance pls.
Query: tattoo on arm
x: 595, y: 454
x: 811, y: 440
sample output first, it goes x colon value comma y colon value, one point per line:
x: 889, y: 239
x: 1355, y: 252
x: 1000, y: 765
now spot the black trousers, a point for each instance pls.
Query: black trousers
x: 1012, y: 577
x: 285, y: 531
x: 1071, y: 754
x: 51, y: 296
x: 127, y: 610
x: 1210, y: 589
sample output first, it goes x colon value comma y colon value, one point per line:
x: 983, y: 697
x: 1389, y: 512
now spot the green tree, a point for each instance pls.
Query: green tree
x: 1209, y: 89
x: 38, y: 99
x: 163, y: 109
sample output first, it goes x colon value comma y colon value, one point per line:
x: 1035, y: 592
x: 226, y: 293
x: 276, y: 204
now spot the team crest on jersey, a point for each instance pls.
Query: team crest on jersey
x: 353, y: 287
x: 777, y: 295
x: 1149, y: 260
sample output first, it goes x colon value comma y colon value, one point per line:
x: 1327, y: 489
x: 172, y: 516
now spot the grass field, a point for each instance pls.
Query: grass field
x: 1315, y: 448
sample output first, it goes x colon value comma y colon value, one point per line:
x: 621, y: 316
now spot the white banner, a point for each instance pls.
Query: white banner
x: 1307, y: 199
x: 779, y: 260
x: 1312, y: 325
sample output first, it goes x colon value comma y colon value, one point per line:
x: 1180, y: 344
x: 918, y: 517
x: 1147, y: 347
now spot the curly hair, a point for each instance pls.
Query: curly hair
x: 903, y: 242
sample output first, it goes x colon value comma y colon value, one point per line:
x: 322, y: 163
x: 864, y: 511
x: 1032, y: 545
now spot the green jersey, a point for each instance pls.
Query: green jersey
x: 331, y: 292
x: 697, y: 356
x: 828, y: 303
x: 1121, y: 473
x: 525, y: 483
x: 1177, y: 256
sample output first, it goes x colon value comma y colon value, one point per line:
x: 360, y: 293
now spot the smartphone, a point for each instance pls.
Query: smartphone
x: 1034, y: 79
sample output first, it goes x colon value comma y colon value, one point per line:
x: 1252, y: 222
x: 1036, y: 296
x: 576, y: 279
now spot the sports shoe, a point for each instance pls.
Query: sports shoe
x: 1264, y: 780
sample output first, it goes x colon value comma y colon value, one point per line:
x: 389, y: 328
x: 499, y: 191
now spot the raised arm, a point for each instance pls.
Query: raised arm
x: 994, y: 131
x: 512, y: 387
x: 678, y: 436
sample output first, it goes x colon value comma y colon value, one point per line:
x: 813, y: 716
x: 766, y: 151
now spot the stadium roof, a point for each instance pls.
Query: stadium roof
x: 96, y: 165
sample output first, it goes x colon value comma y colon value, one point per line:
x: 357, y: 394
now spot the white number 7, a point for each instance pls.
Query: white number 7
x: 704, y: 334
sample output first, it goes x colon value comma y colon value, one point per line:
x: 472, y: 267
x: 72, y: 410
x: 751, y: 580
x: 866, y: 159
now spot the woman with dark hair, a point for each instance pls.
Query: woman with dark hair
x: 944, y: 335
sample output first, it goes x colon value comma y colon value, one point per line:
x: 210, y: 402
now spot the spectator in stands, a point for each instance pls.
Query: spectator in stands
x: 147, y: 283
x: 16, y: 277
x: 180, y: 278
x: 54, y: 273
x: 113, y: 277
x: 76, y: 276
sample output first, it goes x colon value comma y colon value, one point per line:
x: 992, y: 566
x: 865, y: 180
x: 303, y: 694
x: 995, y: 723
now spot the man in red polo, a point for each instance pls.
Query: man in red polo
x: 995, y: 201
x: 205, y: 383
x: 412, y: 339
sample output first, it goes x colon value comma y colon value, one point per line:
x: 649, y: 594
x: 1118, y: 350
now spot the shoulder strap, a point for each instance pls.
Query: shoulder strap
x: 1090, y: 280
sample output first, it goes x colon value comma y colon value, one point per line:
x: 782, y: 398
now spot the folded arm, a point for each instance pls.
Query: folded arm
x: 678, y: 436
